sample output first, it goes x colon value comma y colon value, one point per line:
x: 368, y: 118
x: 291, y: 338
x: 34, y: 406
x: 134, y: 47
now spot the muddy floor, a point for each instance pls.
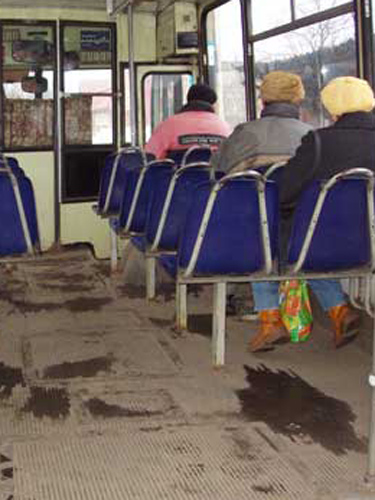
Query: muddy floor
x: 100, y: 397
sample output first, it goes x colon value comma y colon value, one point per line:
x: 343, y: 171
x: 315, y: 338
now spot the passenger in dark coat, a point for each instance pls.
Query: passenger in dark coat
x: 348, y: 143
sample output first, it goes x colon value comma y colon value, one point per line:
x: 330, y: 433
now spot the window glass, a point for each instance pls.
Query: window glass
x: 164, y: 95
x: 127, y: 134
x: 317, y: 53
x: 225, y: 61
x: 28, y: 85
x: 307, y: 7
x: 88, y: 104
x: 265, y: 17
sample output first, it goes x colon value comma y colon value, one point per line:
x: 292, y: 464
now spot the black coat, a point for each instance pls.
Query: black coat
x: 348, y: 143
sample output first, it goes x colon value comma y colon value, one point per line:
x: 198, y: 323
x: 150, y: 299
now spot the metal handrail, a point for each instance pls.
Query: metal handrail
x: 168, y: 200
x: 137, y: 191
x: 112, y: 178
x: 19, y: 203
x: 261, y: 183
x: 362, y: 172
x: 189, y: 151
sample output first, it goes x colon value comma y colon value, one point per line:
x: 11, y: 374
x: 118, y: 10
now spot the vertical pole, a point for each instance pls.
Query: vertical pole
x: 114, y: 251
x: 150, y: 277
x: 218, y: 325
x: 59, y: 133
x: 370, y: 473
x: 364, y: 40
x: 181, y: 307
x: 132, y: 82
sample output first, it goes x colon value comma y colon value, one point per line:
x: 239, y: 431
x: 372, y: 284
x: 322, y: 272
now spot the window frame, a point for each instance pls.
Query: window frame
x: 302, y: 22
x: 113, y: 69
x: 67, y: 149
x: 203, y: 62
x: 53, y: 26
x: 189, y: 73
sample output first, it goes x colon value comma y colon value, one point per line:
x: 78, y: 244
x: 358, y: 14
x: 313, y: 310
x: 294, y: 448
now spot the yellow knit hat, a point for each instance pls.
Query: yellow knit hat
x: 282, y: 86
x: 347, y: 94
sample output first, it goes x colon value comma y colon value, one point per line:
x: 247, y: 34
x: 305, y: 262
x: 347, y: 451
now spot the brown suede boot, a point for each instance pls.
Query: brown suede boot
x: 346, y: 324
x: 271, y: 330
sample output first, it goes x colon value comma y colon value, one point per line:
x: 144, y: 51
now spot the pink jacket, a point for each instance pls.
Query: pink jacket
x: 187, y: 129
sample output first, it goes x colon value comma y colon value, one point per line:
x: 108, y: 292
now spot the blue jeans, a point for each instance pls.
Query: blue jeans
x: 328, y: 292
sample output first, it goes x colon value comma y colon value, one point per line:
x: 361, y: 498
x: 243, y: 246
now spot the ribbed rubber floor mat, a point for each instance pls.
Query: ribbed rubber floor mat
x: 54, y: 411
x: 159, y: 464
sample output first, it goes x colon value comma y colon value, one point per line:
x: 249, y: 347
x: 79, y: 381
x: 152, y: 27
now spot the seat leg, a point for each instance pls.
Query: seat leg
x: 181, y: 307
x: 114, y: 250
x: 218, y: 324
x: 150, y: 277
x: 125, y: 247
x: 370, y: 473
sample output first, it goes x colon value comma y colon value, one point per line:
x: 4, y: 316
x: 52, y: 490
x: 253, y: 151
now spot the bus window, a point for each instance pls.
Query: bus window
x: 88, y: 84
x: 307, y: 7
x: 263, y: 21
x: 28, y: 74
x: 126, y: 122
x: 318, y: 53
x: 88, y: 58
x: 226, y: 61
x: 163, y: 95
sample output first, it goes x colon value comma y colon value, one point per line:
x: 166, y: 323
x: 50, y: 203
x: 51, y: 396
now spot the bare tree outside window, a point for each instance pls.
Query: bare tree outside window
x: 317, y: 53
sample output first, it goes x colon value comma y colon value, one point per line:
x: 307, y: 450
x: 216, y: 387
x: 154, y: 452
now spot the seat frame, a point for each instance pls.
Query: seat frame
x: 153, y: 252
x: 357, y: 275
x: 31, y: 250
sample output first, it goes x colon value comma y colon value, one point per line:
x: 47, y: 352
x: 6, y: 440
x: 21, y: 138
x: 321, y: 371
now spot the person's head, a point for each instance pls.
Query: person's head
x: 201, y: 92
x: 347, y: 94
x: 282, y: 86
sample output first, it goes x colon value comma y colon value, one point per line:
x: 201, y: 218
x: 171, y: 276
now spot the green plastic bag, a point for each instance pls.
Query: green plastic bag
x: 295, y: 309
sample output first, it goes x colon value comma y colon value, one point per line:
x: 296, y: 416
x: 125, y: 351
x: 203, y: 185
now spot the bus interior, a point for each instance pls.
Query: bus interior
x: 102, y: 395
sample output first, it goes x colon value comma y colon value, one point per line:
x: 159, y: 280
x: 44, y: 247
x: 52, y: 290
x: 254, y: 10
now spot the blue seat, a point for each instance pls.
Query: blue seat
x: 140, y: 187
x: 19, y: 228
x: 191, y: 155
x: 342, y: 223
x: 230, y: 235
x: 113, y: 179
x: 232, y: 242
x: 180, y: 189
x: 167, y: 214
x: 8, y: 162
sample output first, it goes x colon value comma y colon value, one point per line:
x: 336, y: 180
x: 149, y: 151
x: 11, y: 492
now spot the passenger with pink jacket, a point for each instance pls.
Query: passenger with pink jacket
x: 195, y: 124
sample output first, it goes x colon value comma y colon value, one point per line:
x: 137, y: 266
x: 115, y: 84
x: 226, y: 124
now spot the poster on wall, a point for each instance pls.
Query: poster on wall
x: 98, y: 40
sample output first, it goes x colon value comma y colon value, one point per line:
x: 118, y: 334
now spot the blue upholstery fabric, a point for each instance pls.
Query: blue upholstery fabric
x: 14, y: 166
x: 159, y: 193
x: 183, y: 192
x: 197, y: 155
x: 139, y: 242
x: 169, y: 263
x: 130, y: 160
x: 233, y: 241
x: 341, y: 239
x: 150, y: 182
x: 12, y: 239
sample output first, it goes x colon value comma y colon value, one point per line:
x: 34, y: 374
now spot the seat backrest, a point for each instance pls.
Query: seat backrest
x: 113, y: 178
x: 167, y: 216
x: 8, y: 162
x: 196, y: 154
x: 138, y: 194
x: 341, y: 239
x: 13, y: 235
x: 187, y: 156
x: 232, y: 242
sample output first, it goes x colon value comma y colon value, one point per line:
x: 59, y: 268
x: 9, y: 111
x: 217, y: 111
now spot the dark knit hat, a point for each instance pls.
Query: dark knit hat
x: 202, y: 92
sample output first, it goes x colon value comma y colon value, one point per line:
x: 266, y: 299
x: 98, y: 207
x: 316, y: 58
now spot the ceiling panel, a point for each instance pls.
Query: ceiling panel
x: 60, y: 4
